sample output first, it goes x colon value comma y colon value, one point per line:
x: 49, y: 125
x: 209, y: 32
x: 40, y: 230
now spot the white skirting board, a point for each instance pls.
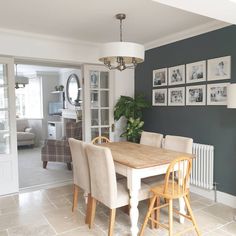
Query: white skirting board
x: 221, y: 197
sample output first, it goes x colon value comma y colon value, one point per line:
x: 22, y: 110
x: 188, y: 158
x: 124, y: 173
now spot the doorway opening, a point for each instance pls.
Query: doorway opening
x: 40, y: 102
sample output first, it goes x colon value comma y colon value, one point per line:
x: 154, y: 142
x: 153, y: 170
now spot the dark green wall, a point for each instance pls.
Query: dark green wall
x: 214, y: 125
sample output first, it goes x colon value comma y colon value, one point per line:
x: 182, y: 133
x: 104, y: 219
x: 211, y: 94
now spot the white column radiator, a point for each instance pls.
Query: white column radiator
x: 203, y: 166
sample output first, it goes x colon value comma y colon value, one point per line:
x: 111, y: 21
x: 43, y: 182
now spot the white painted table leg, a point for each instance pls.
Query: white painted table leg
x: 134, y: 185
x: 86, y: 197
x: 181, y: 209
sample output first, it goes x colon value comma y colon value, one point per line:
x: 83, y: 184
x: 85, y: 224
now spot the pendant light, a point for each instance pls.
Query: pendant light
x: 20, y: 81
x: 121, y: 55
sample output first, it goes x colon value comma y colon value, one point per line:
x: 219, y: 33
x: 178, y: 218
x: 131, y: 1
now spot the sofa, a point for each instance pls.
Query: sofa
x: 25, y: 136
x: 59, y: 150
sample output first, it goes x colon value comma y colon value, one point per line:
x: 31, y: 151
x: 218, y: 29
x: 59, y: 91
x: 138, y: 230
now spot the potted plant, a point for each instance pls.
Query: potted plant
x: 131, y: 109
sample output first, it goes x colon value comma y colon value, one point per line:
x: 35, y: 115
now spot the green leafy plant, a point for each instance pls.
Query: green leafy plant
x: 133, y: 130
x: 131, y: 109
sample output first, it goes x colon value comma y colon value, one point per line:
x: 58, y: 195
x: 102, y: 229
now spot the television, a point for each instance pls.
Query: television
x: 55, y: 108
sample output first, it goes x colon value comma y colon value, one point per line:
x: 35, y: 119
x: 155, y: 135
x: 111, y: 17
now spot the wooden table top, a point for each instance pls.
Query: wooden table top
x: 141, y: 156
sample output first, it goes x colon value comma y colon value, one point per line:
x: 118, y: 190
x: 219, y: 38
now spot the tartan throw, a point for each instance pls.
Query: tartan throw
x: 59, y: 150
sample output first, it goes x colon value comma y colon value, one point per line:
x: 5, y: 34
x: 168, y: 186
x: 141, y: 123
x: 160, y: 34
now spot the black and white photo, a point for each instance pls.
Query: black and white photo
x: 159, y: 97
x: 196, y: 95
x: 94, y: 79
x: 160, y: 77
x: 219, y: 68
x: 217, y: 94
x: 176, y: 96
x: 176, y: 75
x: 196, y: 72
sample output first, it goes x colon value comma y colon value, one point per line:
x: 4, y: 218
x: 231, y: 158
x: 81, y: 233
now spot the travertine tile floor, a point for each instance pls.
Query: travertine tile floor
x: 48, y: 212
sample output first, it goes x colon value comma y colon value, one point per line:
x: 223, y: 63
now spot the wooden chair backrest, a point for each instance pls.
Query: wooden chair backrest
x: 100, y: 139
x: 177, y: 177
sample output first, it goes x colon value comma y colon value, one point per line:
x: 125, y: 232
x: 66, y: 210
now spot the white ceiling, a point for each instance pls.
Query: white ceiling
x: 93, y: 20
x: 223, y: 10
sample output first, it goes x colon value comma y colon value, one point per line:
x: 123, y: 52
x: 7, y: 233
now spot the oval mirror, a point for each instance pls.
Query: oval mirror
x: 73, y: 89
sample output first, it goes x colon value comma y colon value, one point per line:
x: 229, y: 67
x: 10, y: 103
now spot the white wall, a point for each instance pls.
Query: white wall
x: 124, y: 85
x: 33, y: 46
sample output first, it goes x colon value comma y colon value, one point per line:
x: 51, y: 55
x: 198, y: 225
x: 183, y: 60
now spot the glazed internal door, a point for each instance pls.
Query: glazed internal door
x: 98, y: 102
x: 8, y: 145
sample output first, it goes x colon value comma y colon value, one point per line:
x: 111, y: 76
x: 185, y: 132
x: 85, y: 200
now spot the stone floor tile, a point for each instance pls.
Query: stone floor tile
x: 64, y: 219
x: 32, y: 230
x: 3, y: 233
x: 222, y: 211
x: 230, y: 228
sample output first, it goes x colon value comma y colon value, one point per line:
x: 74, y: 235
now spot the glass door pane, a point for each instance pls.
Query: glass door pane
x: 98, y: 82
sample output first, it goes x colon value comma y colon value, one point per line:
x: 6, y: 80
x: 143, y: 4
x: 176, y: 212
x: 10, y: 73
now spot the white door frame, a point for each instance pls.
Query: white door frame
x: 9, y: 179
x: 87, y: 100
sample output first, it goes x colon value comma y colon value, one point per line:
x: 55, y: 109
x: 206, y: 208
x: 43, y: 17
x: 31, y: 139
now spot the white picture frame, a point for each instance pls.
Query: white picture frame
x: 219, y: 68
x: 176, y: 75
x: 159, y: 77
x: 159, y: 97
x: 217, y: 94
x: 196, y: 72
x: 196, y: 95
x: 176, y: 96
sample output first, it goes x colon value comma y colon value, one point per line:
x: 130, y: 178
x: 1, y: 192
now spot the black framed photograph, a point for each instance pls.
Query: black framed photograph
x: 176, y: 96
x: 160, y: 77
x: 219, y: 68
x: 196, y: 95
x: 159, y: 97
x: 217, y: 94
x: 196, y: 72
x: 176, y: 75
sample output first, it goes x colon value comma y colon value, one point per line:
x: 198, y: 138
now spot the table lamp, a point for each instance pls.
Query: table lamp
x: 231, y: 96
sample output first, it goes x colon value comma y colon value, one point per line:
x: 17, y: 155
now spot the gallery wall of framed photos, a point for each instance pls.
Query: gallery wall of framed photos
x: 208, y: 124
x: 194, y: 84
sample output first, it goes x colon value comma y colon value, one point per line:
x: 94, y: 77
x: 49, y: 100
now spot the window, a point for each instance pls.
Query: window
x: 29, y: 99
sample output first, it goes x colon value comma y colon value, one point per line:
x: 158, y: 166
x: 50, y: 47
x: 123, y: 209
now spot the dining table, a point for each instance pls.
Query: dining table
x: 138, y: 161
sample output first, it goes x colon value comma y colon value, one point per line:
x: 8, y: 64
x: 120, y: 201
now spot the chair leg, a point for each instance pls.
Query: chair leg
x: 87, y: 220
x: 157, y: 212
x: 92, y: 212
x: 148, y: 215
x: 69, y: 165
x: 45, y: 164
x: 170, y: 217
x: 75, y: 197
x: 152, y: 214
x: 112, y: 221
x: 192, y: 216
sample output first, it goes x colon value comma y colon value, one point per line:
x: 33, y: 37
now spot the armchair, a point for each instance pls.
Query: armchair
x: 25, y: 136
x: 59, y: 150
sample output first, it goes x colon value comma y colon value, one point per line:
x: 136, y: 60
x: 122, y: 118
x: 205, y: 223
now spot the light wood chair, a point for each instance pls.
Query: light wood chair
x: 151, y: 139
x: 81, y: 176
x: 173, y: 188
x: 100, y: 139
x: 105, y: 188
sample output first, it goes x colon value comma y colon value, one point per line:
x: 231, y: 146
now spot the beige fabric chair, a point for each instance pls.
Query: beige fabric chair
x: 151, y: 139
x: 81, y: 176
x: 25, y: 136
x: 174, y: 143
x: 104, y: 186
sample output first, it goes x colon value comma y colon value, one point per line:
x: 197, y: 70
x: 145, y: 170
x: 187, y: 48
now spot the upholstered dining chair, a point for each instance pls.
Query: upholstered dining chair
x: 151, y: 139
x: 174, y: 143
x: 100, y: 139
x: 81, y: 176
x: 173, y: 188
x: 105, y: 188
